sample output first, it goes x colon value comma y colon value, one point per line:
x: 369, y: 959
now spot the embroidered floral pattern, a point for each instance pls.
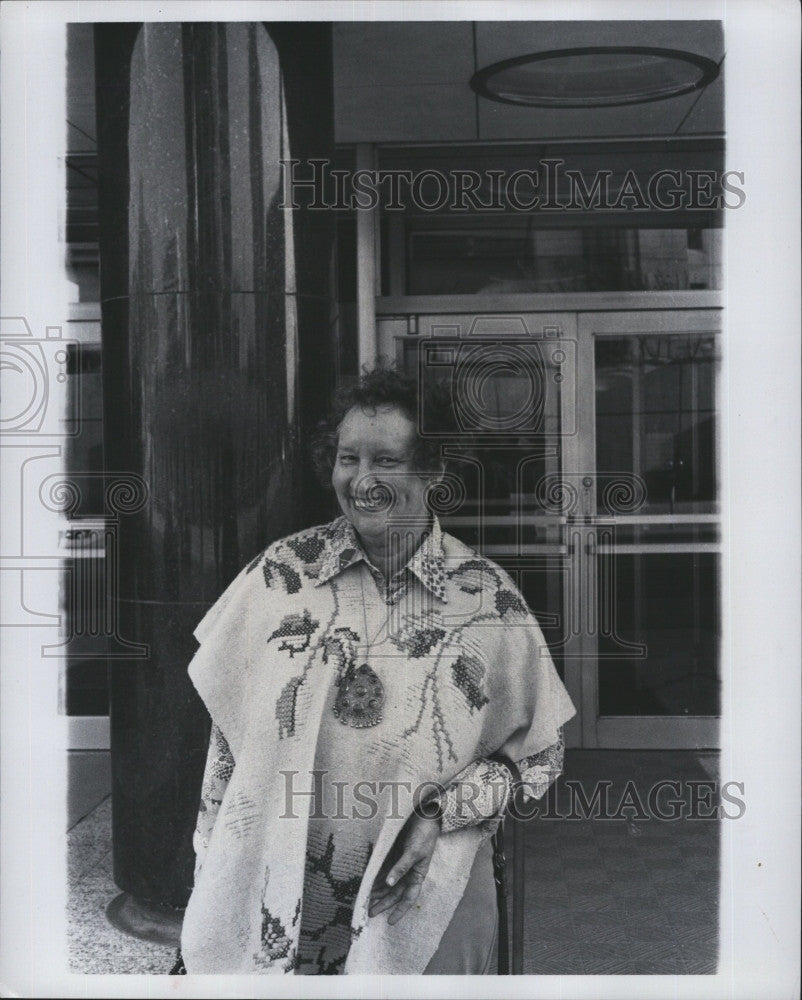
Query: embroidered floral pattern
x: 216, y: 775
x: 428, y: 563
x: 255, y: 562
x: 506, y: 601
x: 308, y: 546
x: 340, y: 648
x: 275, y: 940
x: 327, y: 935
x: 473, y: 576
x: 275, y: 571
x: 296, y: 632
x: 418, y: 641
x: 468, y: 672
x: 241, y: 816
x: 286, y: 707
x: 287, y: 704
x: 430, y: 695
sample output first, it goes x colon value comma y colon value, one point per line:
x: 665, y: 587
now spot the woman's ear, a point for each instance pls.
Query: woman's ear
x: 436, y: 474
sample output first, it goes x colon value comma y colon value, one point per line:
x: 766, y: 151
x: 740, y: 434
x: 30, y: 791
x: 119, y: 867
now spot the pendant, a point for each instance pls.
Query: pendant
x: 360, y: 699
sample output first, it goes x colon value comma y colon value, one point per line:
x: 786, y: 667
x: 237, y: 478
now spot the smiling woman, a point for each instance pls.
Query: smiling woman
x: 386, y: 387
x: 381, y: 469
x: 367, y: 680
x: 376, y: 479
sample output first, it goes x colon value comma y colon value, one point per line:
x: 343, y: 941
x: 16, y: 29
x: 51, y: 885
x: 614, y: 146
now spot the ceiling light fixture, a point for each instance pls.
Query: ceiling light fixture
x: 597, y: 77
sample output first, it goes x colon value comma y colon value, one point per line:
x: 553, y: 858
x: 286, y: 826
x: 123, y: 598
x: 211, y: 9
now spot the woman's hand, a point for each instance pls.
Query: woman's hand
x: 402, y: 885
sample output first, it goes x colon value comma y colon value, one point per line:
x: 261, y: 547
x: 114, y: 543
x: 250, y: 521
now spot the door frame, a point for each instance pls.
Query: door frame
x: 642, y: 731
x: 398, y: 317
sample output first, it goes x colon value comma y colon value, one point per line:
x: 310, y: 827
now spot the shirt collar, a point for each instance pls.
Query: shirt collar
x: 427, y: 562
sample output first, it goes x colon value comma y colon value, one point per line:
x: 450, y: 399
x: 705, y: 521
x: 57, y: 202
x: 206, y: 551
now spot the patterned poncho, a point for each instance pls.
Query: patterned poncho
x: 301, y: 810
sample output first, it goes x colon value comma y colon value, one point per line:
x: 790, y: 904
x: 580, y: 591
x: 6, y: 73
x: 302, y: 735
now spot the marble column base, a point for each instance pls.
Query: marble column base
x: 148, y: 921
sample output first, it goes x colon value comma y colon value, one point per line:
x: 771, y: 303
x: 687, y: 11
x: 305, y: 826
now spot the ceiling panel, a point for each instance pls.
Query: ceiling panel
x: 394, y: 54
x: 707, y: 114
x: 410, y: 82
x: 404, y: 82
x: 496, y: 40
x: 506, y: 121
x: 417, y: 113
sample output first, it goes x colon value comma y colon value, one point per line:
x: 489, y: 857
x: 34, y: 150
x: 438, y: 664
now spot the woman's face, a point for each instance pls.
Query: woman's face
x: 374, y: 475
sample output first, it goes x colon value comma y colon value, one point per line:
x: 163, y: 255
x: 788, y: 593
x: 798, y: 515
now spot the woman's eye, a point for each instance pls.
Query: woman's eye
x: 386, y: 460
x: 346, y: 459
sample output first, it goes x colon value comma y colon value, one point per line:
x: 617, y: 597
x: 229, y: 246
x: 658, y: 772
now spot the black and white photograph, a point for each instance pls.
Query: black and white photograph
x: 400, y: 555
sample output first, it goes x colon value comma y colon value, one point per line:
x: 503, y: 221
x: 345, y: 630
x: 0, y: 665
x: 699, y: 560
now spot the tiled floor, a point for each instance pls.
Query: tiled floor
x: 603, y: 896
x: 623, y: 896
x: 94, y: 945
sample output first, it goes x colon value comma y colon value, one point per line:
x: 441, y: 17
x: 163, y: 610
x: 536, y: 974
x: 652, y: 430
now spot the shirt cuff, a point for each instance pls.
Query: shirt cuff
x: 480, y: 794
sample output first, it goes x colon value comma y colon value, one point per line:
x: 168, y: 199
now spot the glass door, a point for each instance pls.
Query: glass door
x: 647, y: 528
x: 584, y: 461
x: 511, y: 379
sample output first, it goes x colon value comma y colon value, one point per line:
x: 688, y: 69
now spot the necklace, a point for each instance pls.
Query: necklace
x: 360, y: 699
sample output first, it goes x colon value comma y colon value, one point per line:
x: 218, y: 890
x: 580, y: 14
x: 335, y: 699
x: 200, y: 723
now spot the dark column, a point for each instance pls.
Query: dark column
x: 306, y: 63
x: 201, y: 348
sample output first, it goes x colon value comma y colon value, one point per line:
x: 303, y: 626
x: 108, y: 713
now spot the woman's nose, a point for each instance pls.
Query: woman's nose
x: 364, y: 479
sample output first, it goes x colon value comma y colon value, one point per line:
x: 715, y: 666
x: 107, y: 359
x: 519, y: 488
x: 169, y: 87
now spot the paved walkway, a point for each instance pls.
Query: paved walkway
x: 626, y: 895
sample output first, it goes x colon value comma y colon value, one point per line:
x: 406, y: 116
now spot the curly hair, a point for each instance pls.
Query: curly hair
x: 386, y: 386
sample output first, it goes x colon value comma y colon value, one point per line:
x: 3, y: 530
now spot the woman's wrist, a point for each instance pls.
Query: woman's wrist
x: 431, y: 808
x: 479, y: 793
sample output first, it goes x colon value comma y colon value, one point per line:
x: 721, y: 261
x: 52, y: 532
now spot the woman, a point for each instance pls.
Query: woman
x: 360, y: 675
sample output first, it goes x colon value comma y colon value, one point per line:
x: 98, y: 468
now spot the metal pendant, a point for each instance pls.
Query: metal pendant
x: 360, y: 699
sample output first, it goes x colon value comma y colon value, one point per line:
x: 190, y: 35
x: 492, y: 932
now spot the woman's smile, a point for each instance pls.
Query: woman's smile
x: 375, y: 475
x: 369, y: 506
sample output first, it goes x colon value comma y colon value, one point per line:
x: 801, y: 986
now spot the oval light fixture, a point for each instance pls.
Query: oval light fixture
x: 596, y: 77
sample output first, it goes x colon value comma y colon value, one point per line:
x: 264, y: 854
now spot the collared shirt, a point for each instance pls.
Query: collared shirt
x: 427, y: 562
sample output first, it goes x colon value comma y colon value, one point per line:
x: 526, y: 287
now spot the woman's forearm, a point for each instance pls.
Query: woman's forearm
x: 482, y: 790
x: 478, y: 793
